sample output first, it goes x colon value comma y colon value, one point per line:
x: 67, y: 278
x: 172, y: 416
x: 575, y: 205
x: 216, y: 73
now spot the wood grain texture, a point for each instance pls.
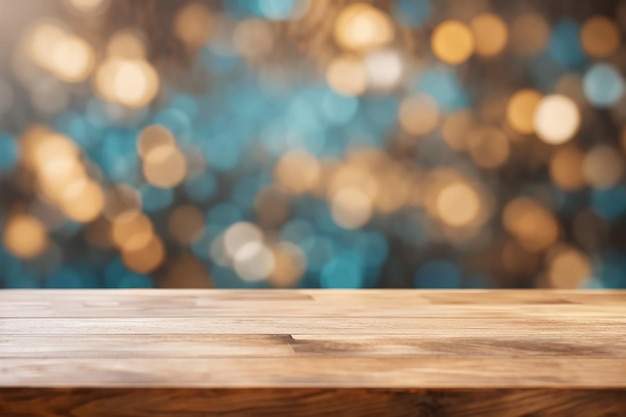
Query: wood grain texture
x: 312, y: 353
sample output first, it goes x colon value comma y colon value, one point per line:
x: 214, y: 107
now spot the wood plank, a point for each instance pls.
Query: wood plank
x: 315, y: 372
x: 321, y: 345
x: 309, y: 403
x: 460, y: 326
x: 73, y: 309
x: 306, y: 303
x: 146, y: 346
x: 200, y: 353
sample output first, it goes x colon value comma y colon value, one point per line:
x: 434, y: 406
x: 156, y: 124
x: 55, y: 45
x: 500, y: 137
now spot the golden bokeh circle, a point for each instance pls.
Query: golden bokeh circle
x: 361, y: 27
x: 600, y: 37
x: 568, y: 269
x: 458, y: 204
x: 566, y: 168
x: 490, y: 34
x: 165, y: 166
x: 25, y: 236
x: 520, y: 110
x: 347, y: 75
x: 534, y: 226
x: 452, y: 42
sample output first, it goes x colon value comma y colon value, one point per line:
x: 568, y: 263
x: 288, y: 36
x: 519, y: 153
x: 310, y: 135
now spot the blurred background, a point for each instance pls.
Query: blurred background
x: 317, y: 144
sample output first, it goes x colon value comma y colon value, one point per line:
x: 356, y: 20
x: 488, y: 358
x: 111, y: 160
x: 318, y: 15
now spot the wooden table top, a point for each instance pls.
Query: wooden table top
x: 313, y: 338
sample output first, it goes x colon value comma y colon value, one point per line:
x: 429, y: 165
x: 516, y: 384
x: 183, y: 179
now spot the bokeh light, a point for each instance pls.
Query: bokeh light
x: 323, y: 144
x: 533, y: 225
x: 453, y: 42
x: 520, y: 110
x: 490, y: 34
x: 556, y: 119
x: 351, y: 207
x: 603, y: 85
x: 600, y: 37
x: 361, y: 27
x: 566, y: 168
x: 87, y: 7
x: 603, y: 167
x: 25, y: 236
x: 568, y: 268
x: 347, y: 75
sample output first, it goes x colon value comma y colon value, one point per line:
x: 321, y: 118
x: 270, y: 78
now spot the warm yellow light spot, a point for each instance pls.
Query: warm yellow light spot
x: 126, y: 44
x: 533, y: 225
x: 351, y: 208
x: 452, y: 42
x: 71, y: 59
x: 488, y: 147
x: 566, y: 169
x: 253, y: 262
x: 185, y: 224
x: 88, y: 7
x: 153, y: 137
x: 238, y: 235
x: 458, y: 204
x: 603, y: 166
x: 132, y: 83
x: 353, y: 176
x: 529, y: 34
x: 455, y: 127
x: 192, y: 24
x: 132, y: 234
x: 121, y: 203
x: 297, y: 171
x: 53, y: 148
x: 82, y: 200
x: 165, y: 166
x: 289, y: 265
x: 361, y: 27
x: 520, y: 110
x: 145, y: 259
x: 56, y: 177
x: 25, y: 236
x: 556, y: 119
x: 600, y: 37
x: 568, y: 269
x: 347, y: 75
x: 418, y: 114
x: 42, y: 39
x: 490, y: 34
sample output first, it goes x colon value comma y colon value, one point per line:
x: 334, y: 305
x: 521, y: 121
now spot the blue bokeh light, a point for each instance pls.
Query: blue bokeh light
x: 603, y: 85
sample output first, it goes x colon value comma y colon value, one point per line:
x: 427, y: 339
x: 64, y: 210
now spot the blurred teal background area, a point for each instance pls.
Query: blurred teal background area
x: 312, y: 143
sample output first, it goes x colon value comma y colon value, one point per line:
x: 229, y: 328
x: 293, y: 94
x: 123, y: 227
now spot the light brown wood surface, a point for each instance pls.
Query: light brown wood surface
x: 312, y: 352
